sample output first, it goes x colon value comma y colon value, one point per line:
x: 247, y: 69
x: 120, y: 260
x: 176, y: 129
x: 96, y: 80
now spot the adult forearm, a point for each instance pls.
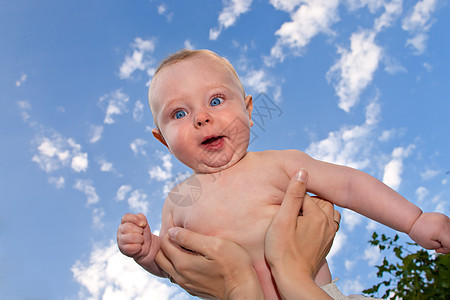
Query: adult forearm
x: 299, y: 287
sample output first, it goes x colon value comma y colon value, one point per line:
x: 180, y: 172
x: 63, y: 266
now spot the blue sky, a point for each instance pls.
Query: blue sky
x: 356, y: 82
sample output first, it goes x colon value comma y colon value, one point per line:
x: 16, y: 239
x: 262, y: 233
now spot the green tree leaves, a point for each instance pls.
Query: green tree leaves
x: 414, y: 275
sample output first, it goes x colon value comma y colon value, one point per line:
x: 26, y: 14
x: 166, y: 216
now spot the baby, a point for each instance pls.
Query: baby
x: 203, y: 117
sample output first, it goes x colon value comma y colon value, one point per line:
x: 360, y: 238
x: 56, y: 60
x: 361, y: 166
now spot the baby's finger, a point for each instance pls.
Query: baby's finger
x: 130, y: 249
x: 132, y: 238
x: 130, y: 228
x: 138, y: 219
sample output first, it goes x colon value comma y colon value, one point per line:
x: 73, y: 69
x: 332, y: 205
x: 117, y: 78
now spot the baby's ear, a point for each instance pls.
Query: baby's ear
x: 157, y: 134
x: 249, y: 106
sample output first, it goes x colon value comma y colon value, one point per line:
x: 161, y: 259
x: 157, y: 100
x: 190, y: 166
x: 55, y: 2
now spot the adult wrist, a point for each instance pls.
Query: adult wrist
x: 245, y: 286
x: 298, y: 285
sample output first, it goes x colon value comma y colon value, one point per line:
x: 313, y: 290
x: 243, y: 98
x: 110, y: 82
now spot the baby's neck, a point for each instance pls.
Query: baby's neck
x: 215, y: 170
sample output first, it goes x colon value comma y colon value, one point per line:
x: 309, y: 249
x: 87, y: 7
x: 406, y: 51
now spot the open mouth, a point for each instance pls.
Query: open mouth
x: 212, y: 140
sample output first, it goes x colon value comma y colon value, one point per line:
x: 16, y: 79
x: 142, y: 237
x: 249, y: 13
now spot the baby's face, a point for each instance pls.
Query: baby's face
x: 201, y: 112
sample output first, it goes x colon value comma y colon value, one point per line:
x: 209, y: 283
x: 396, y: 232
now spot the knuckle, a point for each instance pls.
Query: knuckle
x: 182, y: 267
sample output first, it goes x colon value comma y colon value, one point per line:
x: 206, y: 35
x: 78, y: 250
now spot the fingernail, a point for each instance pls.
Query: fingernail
x: 301, y: 175
x: 173, y: 232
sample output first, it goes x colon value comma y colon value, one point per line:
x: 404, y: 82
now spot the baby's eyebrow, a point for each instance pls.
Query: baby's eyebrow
x: 169, y: 103
x: 168, y: 106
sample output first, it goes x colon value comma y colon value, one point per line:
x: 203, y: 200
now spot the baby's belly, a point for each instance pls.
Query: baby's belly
x: 246, y: 227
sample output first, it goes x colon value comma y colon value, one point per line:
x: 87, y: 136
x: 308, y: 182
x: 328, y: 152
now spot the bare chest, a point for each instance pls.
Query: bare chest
x: 238, y: 207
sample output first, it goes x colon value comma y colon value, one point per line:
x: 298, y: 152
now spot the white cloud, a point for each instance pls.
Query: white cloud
x: 164, y: 11
x: 436, y: 198
x: 257, y: 80
x: 390, y: 134
x: 139, y: 59
x: 80, y: 162
x: 339, y: 241
x: 97, y: 218
x: 95, y: 133
x: 57, y: 182
x: 106, y: 166
x: 21, y: 80
x: 138, y: 111
x: 418, y: 22
x: 286, y: 5
x: 231, y: 11
x: 421, y: 193
x: 24, y: 107
x: 392, y: 10
x: 442, y: 208
x: 349, y: 264
x: 429, y: 174
x: 85, y: 186
x: 419, y: 42
x: 373, y: 5
x: 394, y: 168
x: 371, y: 225
x: 372, y: 255
x: 188, y: 45
x: 355, y: 69
x: 351, y: 219
x: 350, y: 145
x: 352, y: 287
x: 108, y: 274
x: 138, y: 147
x: 122, y: 192
x: 309, y: 19
x: 373, y: 113
x: 56, y: 152
x: 393, y: 66
x: 427, y: 66
x: 137, y: 202
x: 116, y: 105
x: 162, y: 173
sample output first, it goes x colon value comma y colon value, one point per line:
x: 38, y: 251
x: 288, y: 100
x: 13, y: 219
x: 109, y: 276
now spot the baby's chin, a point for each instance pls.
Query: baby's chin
x: 219, y: 163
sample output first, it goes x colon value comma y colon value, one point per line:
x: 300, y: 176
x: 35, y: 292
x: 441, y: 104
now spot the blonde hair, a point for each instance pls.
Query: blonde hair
x: 185, y: 54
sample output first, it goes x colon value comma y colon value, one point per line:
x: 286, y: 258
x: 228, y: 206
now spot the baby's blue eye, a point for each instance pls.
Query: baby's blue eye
x: 216, y: 101
x: 180, y: 114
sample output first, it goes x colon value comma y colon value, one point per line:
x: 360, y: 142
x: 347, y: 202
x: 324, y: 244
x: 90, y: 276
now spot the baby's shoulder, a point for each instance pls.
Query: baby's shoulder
x: 288, y: 160
x: 279, y: 155
x: 184, y: 192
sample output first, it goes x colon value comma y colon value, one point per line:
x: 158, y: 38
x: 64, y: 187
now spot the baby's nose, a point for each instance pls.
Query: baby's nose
x: 202, y: 119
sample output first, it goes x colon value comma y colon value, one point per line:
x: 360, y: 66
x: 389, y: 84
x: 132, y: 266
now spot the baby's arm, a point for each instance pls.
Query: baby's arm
x: 136, y: 240
x: 356, y: 190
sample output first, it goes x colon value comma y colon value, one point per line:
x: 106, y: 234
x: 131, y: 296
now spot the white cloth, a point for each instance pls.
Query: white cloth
x: 332, y: 290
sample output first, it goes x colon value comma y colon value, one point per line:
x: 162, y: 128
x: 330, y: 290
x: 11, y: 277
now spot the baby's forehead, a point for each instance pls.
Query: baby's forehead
x: 196, y: 61
x: 221, y: 71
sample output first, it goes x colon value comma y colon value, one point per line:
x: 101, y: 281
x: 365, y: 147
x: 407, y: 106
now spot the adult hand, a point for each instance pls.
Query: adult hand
x: 214, y: 268
x: 296, y: 245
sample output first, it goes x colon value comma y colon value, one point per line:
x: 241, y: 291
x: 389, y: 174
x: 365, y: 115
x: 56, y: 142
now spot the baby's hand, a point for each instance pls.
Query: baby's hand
x: 134, y: 236
x: 432, y: 231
